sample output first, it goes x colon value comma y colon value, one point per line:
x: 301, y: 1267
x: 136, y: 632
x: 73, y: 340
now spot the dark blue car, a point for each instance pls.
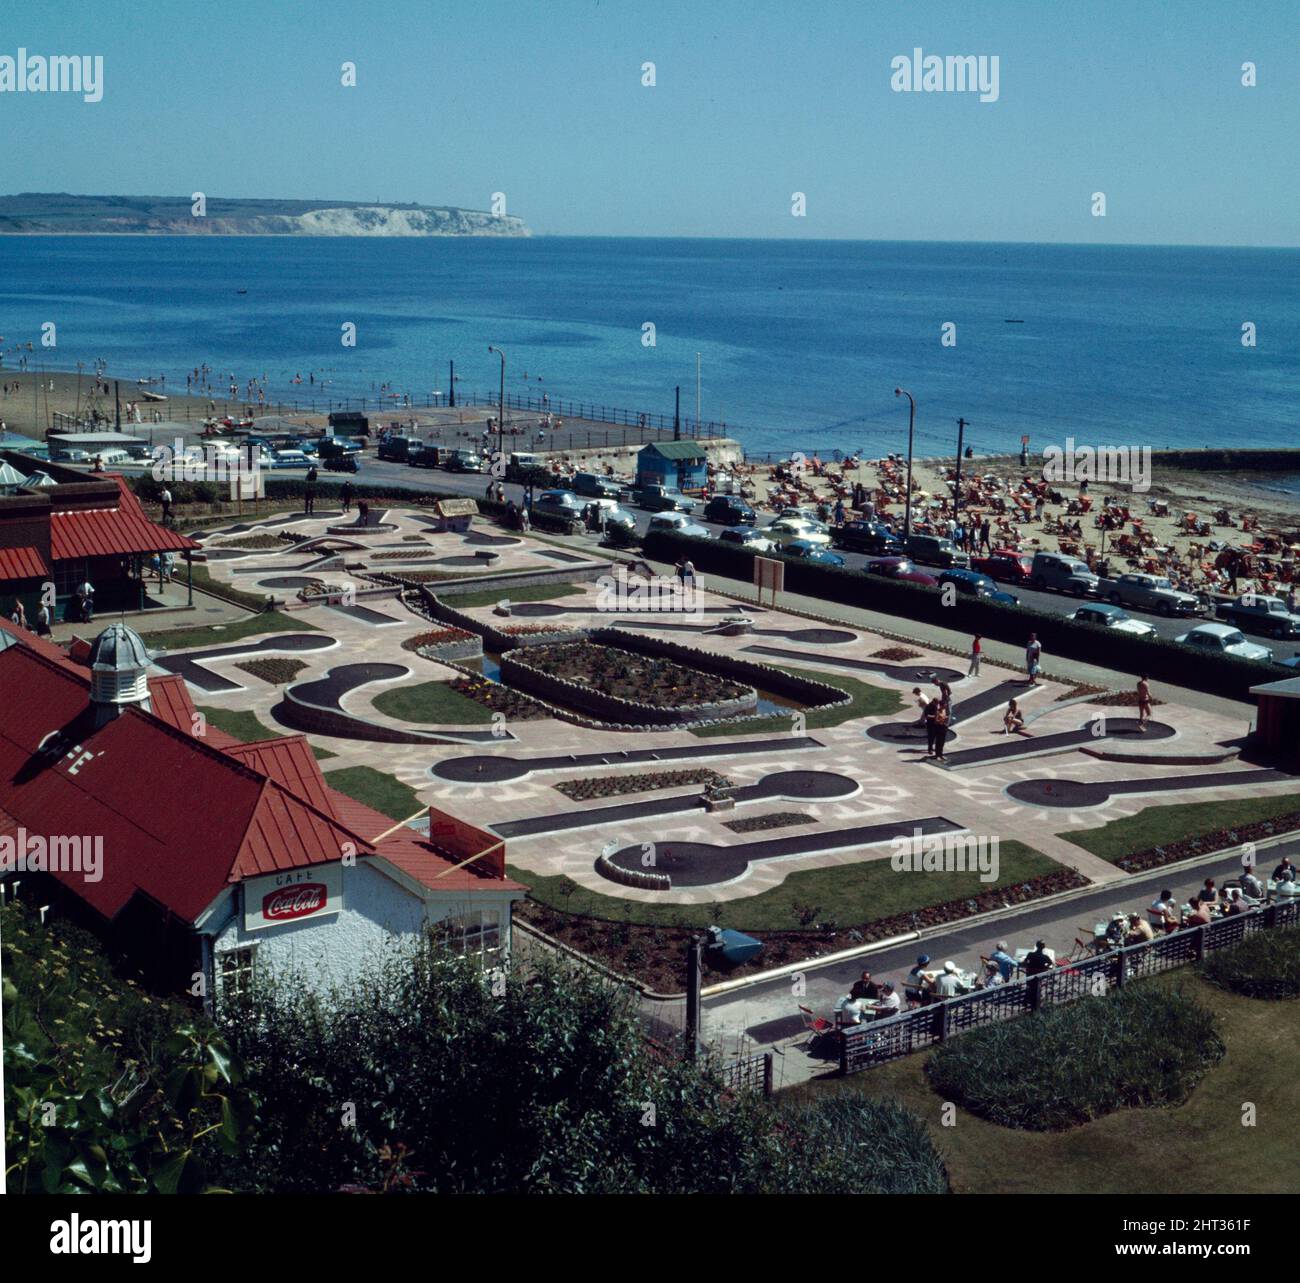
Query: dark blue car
x: 806, y: 551
x: 970, y: 583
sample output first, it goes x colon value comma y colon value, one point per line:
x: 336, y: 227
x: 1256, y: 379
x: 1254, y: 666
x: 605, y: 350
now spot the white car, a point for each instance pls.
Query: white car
x: 785, y: 530
x: 1112, y: 617
x: 679, y: 523
x: 746, y: 537
x: 1220, y: 639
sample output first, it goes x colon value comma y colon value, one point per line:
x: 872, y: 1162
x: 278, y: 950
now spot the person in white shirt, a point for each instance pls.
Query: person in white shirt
x: 889, y: 1002
x: 849, y: 1011
x: 1163, y: 913
x: 948, y: 984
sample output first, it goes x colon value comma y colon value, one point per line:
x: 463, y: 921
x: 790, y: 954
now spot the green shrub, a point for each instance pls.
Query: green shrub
x: 1135, y: 1048
x: 849, y: 1145
x: 1264, y: 965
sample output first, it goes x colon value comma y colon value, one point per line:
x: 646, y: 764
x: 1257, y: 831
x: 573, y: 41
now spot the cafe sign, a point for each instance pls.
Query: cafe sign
x: 279, y: 898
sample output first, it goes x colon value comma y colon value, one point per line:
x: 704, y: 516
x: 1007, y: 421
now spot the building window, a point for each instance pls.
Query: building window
x: 475, y: 935
x: 235, y: 971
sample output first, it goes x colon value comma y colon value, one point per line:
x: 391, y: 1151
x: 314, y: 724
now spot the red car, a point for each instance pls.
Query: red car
x: 1005, y: 565
x: 898, y: 568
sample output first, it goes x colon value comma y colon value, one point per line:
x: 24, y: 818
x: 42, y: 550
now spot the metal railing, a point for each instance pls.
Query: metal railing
x: 865, y: 1046
x: 753, y: 1073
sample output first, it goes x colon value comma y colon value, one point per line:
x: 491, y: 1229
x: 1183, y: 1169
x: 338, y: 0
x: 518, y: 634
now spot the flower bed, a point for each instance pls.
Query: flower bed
x: 274, y: 671
x: 656, y: 955
x: 500, y: 699
x: 896, y: 654
x: 442, y: 644
x: 253, y: 543
x: 584, y: 790
x: 624, y: 686
x: 1219, y: 840
x: 530, y: 630
x: 775, y: 820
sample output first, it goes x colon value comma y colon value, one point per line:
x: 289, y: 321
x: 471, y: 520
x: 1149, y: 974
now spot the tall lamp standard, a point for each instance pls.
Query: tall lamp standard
x: 501, y: 410
x: 911, y: 425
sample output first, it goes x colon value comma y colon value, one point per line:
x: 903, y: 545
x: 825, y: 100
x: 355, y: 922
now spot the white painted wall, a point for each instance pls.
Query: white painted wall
x: 378, y: 916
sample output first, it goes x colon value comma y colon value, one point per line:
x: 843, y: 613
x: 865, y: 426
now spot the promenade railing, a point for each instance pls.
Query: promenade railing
x: 865, y: 1046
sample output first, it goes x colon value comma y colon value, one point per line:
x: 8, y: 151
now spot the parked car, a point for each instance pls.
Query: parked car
x: 815, y: 553
x: 728, y: 510
x: 656, y: 498
x: 463, y: 461
x: 1264, y: 615
x: 69, y: 454
x: 563, y: 504
x: 867, y: 536
x: 594, y: 486
x: 1107, y: 616
x: 1004, y: 565
x: 970, y: 583
x: 426, y: 456
x: 528, y: 469
x: 341, y: 463
x: 397, y: 449
x: 787, y: 530
x: 935, y: 550
x: 1061, y: 573
x: 899, y: 568
x: 333, y: 447
x: 616, y: 518
x: 1148, y: 592
x: 1222, y: 639
x: 287, y: 458
x: 746, y: 537
x: 678, y: 523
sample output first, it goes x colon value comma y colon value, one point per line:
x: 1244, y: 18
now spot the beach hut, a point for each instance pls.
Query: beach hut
x: 10, y: 478
x: 1277, y: 725
x: 683, y: 465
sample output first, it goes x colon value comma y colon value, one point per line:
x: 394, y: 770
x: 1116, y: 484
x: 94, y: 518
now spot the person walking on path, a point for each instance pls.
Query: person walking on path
x: 941, y: 718
x: 1144, y: 702
x: 43, y: 621
x: 1033, y: 654
x: 19, y: 616
x: 166, y: 499
x: 346, y: 494
x: 976, y: 651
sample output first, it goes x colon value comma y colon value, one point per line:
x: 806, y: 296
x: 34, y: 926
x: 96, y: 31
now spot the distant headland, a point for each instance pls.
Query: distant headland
x: 58, y: 213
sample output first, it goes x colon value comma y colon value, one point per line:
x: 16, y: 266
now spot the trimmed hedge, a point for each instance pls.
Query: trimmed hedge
x: 1163, y: 660
x: 1264, y: 965
x: 1135, y: 1048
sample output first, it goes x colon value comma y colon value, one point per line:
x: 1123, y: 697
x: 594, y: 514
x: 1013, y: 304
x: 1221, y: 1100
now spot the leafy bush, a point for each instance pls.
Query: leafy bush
x: 848, y: 1145
x: 1264, y: 965
x: 107, y: 1088
x: 1138, y: 1047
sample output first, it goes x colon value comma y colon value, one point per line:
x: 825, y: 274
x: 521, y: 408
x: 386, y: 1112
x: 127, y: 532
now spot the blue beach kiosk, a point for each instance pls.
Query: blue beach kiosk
x: 679, y: 464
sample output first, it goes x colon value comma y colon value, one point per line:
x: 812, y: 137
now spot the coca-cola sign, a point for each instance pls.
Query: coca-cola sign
x: 294, y: 902
x: 281, y: 898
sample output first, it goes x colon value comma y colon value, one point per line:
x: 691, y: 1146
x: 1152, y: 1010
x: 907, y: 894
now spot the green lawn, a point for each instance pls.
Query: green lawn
x: 534, y: 592
x: 389, y: 796
x: 271, y: 621
x: 244, y: 725
x: 850, y: 895
x: 1158, y: 825
x: 1198, y: 1147
x: 431, y: 703
x: 867, y: 701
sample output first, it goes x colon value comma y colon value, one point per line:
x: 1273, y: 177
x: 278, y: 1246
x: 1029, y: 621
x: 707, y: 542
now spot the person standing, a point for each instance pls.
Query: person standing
x: 19, y: 616
x: 309, y: 495
x: 941, y: 720
x: 1144, y: 702
x: 933, y: 708
x: 976, y: 651
x: 1033, y: 655
x: 43, y: 621
x: 346, y: 494
x: 86, y: 601
x: 984, y: 535
x: 166, y: 498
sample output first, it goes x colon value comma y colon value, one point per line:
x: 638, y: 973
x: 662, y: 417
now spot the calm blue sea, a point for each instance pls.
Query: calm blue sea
x: 802, y: 343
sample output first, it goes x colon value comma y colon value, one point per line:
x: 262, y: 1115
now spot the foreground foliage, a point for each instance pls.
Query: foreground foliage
x: 107, y: 1089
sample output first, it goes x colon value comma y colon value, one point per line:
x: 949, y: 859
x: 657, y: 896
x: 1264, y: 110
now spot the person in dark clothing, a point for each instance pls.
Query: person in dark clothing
x: 309, y: 500
x: 346, y: 494
x: 1038, y: 961
x: 933, y: 711
x: 865, y: 988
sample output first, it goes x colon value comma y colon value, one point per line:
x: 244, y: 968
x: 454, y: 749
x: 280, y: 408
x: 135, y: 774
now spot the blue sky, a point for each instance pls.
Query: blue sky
x: 755, y: 99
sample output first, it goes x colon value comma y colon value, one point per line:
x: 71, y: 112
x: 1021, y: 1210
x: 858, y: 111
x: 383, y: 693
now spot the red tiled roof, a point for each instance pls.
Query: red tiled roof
x: 22, y: 563
x: 103, y: 532
x: 170, y: 700
x: 289, y: 761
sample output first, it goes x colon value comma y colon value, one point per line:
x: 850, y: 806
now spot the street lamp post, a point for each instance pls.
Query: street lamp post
x: 501, y: 409
x: 911, y: 426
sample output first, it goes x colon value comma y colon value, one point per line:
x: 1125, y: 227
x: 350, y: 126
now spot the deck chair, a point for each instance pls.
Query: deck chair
x: 816, y: 1025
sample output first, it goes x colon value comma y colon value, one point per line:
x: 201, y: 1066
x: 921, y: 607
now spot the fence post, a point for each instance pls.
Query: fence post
x: 1035, y: 992
x: 767, y: 1073
x: 1200, y: 943
x: 944, y: 1021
